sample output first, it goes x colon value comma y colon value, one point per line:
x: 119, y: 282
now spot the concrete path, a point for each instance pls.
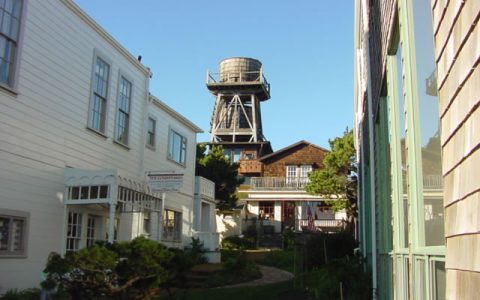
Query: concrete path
x: 269, y: 275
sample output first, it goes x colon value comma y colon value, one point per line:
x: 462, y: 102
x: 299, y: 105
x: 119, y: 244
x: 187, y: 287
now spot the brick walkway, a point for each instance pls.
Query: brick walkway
x: 269, y: 275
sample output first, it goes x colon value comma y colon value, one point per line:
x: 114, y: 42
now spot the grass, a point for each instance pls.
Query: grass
x: 276, y: 291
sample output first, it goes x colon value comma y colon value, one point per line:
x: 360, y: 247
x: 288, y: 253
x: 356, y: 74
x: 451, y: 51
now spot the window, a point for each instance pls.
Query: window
x: 74, y: 231
x: 10, y: 11
x: 123, y: 111
x: 146, y: 224
x: 88, y: 192
x: 266, y: 210
x: 172, y: 225
x: 12, y: 234
x: 177, y: 148
x: 98, y: 103
x: 298, y: 174
x: 91, y: 231
x: 151, y: 128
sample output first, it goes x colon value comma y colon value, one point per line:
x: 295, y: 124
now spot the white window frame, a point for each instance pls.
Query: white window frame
x: 13, y: 216
x: 74, y: 231
x: 298, y: 173
x: 14, y: 39
x: 181, y: 157
x: 101, y: 127
x: 151, y: 132
x: 172, y: 227
x: 123, y: 110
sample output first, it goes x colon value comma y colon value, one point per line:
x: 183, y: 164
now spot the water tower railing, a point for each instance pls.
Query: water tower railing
x: 238, y: 77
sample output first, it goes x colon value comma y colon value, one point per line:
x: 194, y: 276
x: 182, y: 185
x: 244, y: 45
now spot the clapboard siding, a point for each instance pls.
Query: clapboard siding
x: 43, y: 130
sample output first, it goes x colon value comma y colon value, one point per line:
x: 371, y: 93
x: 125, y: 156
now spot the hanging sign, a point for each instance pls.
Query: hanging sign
x: 165, y: 182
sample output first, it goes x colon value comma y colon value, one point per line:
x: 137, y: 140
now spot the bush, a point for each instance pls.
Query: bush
x: 279, y: 259
x: 125, y: 270
x: 236, y: 269
x: 323, y: 247
x: 325, y: 282
x: 181, y: 263
x: 288, y: 239
x: 237, y: 242
x: 28, y: 294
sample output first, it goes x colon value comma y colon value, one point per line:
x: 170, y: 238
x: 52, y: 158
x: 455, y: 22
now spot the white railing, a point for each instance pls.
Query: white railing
x: 432, y: 181
x: 323, y: 225
x: 278, y: 183
x: 204, y: 188
x: 210, y: 240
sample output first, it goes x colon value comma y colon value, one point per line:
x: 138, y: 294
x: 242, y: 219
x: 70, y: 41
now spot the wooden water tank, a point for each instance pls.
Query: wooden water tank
x: 240, y: 69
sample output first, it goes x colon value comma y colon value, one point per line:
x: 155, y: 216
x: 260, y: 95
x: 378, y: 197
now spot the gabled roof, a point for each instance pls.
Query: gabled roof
x: 292, y: 146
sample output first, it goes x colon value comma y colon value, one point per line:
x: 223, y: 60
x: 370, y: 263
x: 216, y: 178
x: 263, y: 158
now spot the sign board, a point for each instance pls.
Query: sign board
x: 165, y: 182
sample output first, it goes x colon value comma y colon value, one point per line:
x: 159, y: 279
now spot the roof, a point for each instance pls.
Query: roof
x: 174, y: 114
x: 105, y: 35
x: 302, y: 142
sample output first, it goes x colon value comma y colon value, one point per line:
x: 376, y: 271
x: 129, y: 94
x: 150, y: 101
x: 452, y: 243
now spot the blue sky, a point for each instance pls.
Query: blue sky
x: 305, y: 46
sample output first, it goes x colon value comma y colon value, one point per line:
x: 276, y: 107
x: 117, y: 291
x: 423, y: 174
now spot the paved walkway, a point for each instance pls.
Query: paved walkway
x: 269, y: 275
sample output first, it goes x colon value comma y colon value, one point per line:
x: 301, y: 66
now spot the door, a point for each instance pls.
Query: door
x: 288, y: 215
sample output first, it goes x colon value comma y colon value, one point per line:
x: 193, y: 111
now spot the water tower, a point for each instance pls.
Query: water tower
x: 239, y: 87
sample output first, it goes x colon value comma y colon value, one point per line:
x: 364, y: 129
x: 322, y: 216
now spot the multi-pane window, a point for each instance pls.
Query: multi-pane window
x: 266, y: 210
x: 88, y: 192
x: 298, y: 174
x: 151, y: 128
x: 98, y: 105
x: 172, y: 221
x: 291, y: 173
x: 91, y: 231
x: 12, y: 235
x: 74, y: 231
x: 123, y: 110
x: 177, y: 147
x: 10, y: 11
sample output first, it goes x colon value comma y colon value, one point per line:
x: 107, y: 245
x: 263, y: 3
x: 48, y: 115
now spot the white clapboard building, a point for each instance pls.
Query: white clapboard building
x: 79, y: 133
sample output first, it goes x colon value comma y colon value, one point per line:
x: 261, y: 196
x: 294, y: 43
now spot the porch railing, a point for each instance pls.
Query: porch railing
x: 323, y: 225
x: 278, y: 183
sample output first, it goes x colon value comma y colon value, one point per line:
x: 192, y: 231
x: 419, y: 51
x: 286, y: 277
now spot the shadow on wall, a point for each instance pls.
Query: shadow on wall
x: 228, y: 225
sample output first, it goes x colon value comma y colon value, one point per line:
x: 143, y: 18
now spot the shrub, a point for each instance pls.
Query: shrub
x: 325, y: 282
x: 125, y: 270
x: 237, y: 242
x: 27, y: 294
x: 323, y: 247
x: 236, y: 269
x: 279, y: 259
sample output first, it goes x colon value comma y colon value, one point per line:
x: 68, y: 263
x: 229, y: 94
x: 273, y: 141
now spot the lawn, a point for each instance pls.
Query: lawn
x: 276, y: 291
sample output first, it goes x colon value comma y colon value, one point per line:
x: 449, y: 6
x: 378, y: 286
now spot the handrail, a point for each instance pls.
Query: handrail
x: 276, y: 183
x: 238, y: 77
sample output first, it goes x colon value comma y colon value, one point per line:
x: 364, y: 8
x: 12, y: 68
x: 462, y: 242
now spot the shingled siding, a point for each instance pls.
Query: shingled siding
x: 300, y: 155
x: 381, y: 17
x: 457, y: 36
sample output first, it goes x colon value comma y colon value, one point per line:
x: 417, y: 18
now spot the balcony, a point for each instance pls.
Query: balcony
x: 278, y: 183
x: 254, y: 80
x: 204, y: 188
x: 250, y: 166
x: 323, y: 225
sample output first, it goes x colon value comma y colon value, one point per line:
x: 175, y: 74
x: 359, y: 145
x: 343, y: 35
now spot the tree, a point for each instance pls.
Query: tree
x: 338, y: 178
x: 218, y: 168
